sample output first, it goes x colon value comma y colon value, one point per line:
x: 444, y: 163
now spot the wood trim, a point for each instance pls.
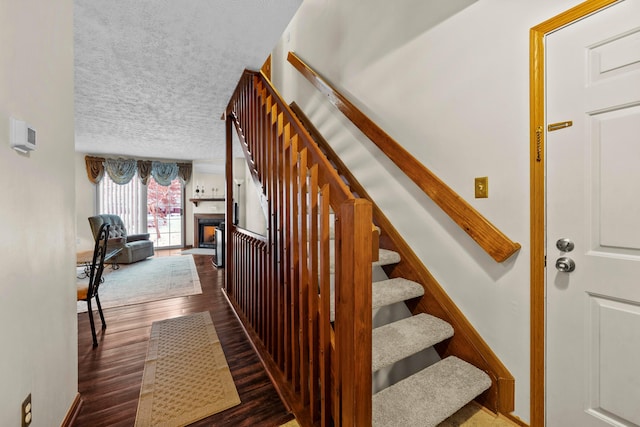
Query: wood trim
x: 195, y: 201
x: 73, y: 412
x: 266, y: 68
x: 251, y: 234
x: 466, y: 342
x: 538, y: 208
x: 515, y: 420
x: 490, y: 238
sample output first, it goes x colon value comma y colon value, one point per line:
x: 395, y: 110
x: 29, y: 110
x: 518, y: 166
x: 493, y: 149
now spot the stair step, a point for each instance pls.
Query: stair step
x: 387, y: 292
x: 430, y: 396
x: 403, y: 338
x: 385, y: 257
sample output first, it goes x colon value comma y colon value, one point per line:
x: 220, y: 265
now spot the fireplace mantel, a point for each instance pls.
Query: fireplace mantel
x: 195, y: 201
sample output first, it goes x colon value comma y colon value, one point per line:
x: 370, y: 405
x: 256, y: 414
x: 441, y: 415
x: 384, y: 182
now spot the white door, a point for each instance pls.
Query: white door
x: 593, y: 201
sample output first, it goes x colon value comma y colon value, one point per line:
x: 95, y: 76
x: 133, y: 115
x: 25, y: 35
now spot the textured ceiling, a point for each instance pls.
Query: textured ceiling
x: 153, y: 77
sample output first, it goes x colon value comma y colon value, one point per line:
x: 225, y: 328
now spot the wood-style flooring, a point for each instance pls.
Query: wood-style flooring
x: 109, y: 376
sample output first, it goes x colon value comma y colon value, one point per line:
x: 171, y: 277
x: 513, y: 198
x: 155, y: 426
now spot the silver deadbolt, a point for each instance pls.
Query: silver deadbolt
x: 565, y: 245
x: 565, y: 265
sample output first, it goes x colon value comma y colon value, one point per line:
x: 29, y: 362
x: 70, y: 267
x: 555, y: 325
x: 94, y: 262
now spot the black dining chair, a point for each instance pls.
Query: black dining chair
x: 87, y: 292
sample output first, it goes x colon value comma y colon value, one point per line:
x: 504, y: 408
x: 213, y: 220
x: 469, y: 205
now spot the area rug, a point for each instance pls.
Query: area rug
x: 153, y: 279
x: 186, y: 377
x: 199, y: 251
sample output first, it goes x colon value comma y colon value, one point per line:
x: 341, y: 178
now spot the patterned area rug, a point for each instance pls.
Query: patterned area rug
x: 186, y: 377
x: 153, y: 279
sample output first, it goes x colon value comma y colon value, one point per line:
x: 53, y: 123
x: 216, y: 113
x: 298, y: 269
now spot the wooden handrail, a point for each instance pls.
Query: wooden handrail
x: 490, y: 238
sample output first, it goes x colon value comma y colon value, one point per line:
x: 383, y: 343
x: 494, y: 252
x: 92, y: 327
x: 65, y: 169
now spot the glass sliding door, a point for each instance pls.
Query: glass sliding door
x: 165, y: 214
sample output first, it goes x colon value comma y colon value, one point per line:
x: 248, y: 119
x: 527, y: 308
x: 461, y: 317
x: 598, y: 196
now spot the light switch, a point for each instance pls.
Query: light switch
x: 482, y: 187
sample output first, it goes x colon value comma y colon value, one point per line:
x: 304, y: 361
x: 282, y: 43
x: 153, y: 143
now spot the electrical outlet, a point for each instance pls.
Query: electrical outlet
x: 26, y: 411
x: 482, y: 187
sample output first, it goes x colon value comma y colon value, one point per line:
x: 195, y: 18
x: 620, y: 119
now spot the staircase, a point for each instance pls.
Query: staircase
x: 433, y: 393
x: 437, y: 388
x: 333, y: 364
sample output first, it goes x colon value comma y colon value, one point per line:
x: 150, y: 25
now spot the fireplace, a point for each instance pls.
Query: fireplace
x: 207, y: 235
x: 204, y: 233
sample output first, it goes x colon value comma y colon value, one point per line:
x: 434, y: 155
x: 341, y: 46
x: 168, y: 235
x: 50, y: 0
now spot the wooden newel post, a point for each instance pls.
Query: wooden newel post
x: 353, y: 314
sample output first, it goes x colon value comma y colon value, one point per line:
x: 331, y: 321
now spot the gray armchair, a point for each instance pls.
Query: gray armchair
x: 135, y: 247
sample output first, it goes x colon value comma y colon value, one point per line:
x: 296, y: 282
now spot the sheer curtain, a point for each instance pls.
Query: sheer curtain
x: 129, y: 201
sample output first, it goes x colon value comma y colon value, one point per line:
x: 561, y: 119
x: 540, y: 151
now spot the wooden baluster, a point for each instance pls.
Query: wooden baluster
x: 295, y: 258
x: 304, y: 276
x: 273, y: 202
x: 283, y: 133
x: 313, y: 293
x: 325, y: 308
x: 286, y: 236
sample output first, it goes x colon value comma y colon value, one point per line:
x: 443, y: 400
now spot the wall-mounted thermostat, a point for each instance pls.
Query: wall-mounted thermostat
x: 22, y: 137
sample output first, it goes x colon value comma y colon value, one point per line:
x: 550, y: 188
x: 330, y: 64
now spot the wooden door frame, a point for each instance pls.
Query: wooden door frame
x: 538, y: 207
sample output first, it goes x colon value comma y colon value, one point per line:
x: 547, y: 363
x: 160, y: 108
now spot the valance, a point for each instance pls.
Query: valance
x: 122, y: 170
x: 184, y: 172
x: 95, y: 168
x: 144, y: 171
x: 164, y: 173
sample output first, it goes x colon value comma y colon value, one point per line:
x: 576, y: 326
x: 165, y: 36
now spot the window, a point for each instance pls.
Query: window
x: 164, y: 213
x: 152, y: 209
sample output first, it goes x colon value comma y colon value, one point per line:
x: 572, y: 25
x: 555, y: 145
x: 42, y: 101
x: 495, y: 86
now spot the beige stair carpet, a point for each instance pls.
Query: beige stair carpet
x: 186, y: 377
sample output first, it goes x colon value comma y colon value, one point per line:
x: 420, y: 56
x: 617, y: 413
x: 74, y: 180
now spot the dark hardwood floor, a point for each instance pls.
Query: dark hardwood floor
x: 109, y: 376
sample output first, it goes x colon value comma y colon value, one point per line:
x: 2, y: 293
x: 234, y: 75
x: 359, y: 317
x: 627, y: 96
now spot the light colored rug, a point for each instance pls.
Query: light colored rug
x: 153, y: 279
x: 199, y: 251
x: 186, y: 377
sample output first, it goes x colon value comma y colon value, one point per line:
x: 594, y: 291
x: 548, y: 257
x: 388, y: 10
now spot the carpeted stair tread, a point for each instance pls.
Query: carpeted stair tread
x: 403, y: 338
x: 387, y: 292
x: 387, y: 257
x: 429, y: 396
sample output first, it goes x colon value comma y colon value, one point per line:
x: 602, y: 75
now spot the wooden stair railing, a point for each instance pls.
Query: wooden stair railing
x: 279, y: 284
x: 466, y: 343
x: 490, y: 238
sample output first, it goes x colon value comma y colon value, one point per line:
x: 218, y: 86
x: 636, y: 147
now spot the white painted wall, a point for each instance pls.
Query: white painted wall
x: 38, y: 323
x: 456, y: 95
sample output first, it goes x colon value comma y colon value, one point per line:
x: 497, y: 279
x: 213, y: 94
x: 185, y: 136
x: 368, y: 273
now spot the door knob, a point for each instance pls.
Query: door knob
x: 565, y: 245
x: 565, y: 265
